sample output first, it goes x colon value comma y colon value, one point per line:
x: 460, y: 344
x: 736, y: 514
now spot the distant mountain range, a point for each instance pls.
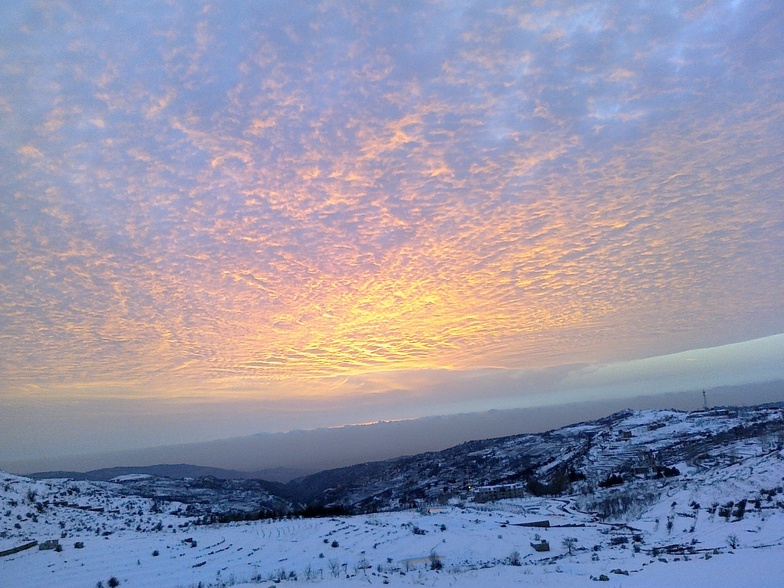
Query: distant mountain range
x: 284, y: 456
x: 177, y: 471
x: 625, y: 449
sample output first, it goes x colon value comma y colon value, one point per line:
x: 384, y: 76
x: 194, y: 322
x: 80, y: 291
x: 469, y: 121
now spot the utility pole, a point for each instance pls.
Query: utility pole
x: 704, y: 401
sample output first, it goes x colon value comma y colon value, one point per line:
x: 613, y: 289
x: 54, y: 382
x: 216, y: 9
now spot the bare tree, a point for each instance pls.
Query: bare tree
x: 569, y: 543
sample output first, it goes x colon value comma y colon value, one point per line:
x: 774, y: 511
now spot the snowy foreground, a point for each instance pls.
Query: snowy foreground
x: 671, y: 541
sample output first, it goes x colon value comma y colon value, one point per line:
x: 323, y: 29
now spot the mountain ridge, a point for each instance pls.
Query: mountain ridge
x: 318, y: 449
x: 627, y: 446
x: 177, y: 471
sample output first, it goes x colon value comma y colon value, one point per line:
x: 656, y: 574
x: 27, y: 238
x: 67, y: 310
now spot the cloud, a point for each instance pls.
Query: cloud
x: 248, y: 200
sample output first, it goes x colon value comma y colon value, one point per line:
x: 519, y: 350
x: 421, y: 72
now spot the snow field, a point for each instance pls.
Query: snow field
x: 475, y: 547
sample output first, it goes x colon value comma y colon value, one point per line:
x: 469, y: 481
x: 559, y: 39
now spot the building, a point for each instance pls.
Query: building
x: 500, y: 492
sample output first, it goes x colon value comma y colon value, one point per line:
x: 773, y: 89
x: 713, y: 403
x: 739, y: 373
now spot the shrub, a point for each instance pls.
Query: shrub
x: 740, y: 509
x: 611, y: 480
x: 335, y: 544
x: 113, y: 582
x: 726, y: 511
x: 156, y: 553
x: 514, y: 558
x: 621, y: 540
x: 666, y: 472
x: 732, y: 541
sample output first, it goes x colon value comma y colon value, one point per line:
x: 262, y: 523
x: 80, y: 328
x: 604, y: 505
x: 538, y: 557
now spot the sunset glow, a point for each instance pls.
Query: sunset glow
x: 280, y: 201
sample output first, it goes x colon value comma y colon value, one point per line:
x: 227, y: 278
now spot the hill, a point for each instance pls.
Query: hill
x: 627, y: 446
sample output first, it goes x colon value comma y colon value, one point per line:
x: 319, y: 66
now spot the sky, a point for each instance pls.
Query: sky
x: 223, y: 218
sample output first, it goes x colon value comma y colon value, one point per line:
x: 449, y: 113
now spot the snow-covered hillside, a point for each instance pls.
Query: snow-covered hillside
x: 61, y: 509
x: 718, y: 522
x: 629, y: 445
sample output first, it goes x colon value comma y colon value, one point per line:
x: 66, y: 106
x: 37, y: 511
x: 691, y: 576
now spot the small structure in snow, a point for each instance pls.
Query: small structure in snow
x: 428, y: 510
x: 540, y: 524
x: 51, y: 544
x: 412, y: 562
x: 19, y: 548
x: 543, y: 545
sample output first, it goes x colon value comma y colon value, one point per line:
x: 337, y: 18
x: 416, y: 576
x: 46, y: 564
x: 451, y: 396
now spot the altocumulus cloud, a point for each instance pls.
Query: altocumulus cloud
x: 275, y: 199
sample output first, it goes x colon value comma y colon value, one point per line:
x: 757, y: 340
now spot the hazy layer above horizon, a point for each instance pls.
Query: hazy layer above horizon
x: 319, y: 449
x: 121, y: 425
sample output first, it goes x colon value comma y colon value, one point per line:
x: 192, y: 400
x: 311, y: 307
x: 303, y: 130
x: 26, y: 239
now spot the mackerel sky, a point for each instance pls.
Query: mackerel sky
x: 329, y: 212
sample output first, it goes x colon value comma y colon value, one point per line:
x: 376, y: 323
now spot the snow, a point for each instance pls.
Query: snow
x: 475, y: 546
x: 130, y: 477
